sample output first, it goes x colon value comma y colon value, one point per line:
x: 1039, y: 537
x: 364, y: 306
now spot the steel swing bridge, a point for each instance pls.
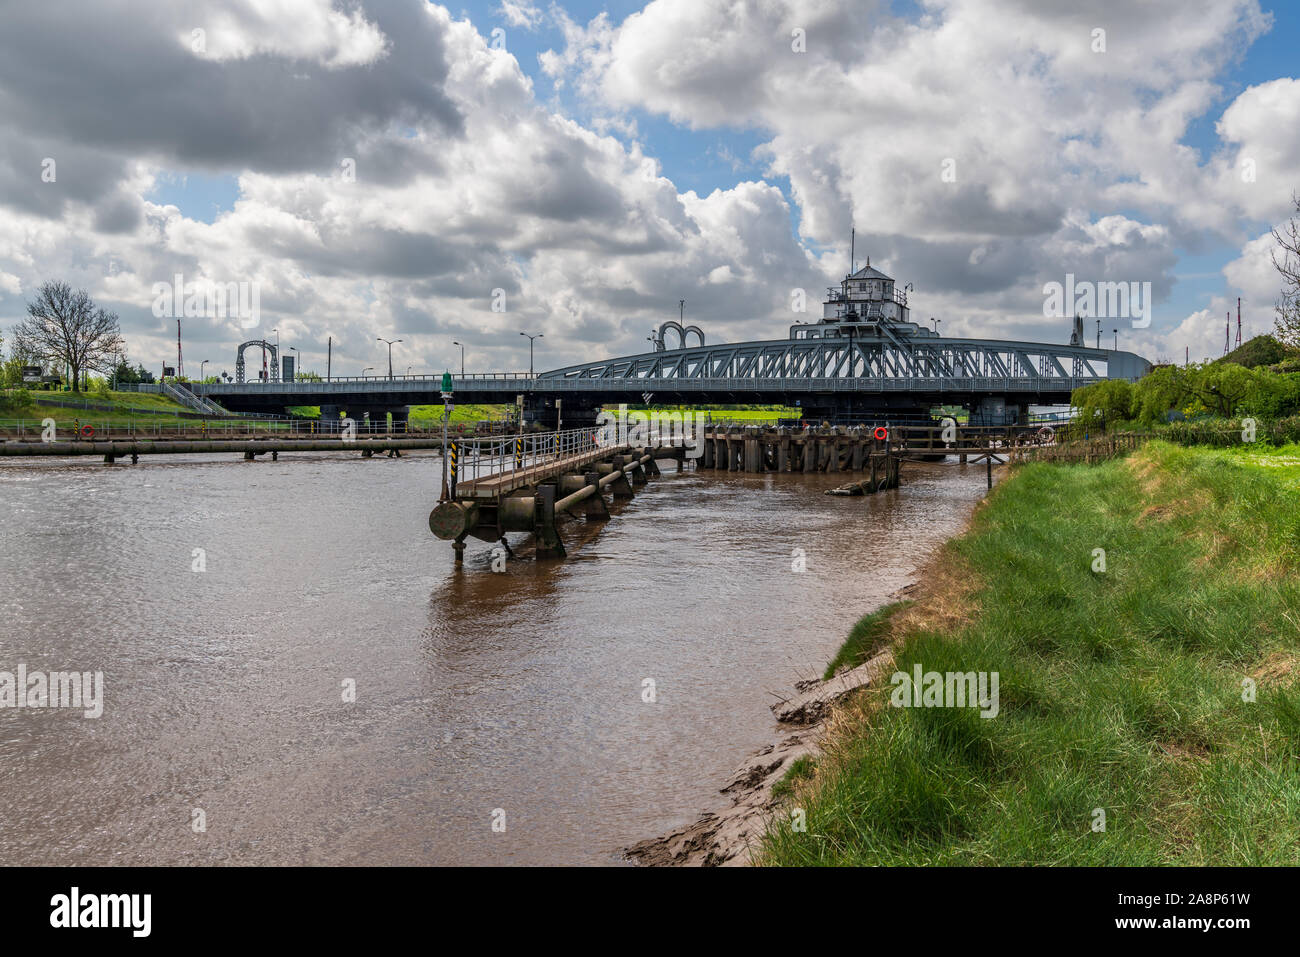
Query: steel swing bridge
x: 862, y: 357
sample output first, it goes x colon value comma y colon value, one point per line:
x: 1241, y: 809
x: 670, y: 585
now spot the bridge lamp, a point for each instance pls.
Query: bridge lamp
x: 201, y: 365
x: 462, y: 357
x: 390, y: 352
x: 530, y: 350
x: 367, y: 369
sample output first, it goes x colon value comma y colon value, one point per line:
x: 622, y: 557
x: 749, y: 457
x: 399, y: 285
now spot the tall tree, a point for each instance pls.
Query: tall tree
x: 65, y: 326
x: 1286, y: 259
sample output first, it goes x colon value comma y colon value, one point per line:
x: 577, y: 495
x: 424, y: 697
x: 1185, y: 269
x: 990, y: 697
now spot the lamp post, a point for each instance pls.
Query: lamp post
x: 1116, y: 331
x: 297, y: 361
x: 446, y: 414
x: 390, y: 352
x: 530, y: 350
x: 365, y: 370
x: 1098, y: 333
x: 201, y: 365
x: 462, y: 357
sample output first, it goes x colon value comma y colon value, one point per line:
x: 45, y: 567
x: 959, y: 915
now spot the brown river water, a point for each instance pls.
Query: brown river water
x: 479, y: 696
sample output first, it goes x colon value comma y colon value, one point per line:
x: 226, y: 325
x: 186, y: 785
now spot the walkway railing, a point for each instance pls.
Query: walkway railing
x: 513, y: 461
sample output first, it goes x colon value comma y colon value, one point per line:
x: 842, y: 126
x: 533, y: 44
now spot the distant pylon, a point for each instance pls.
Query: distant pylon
x: 1238, y: 320
x: 1227, y: 333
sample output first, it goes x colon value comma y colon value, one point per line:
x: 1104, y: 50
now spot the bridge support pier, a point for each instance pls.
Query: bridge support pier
x: 330, y: 420
x: 651, y: 467
x: 596, y: 510
x: 620, y: 487
x: 549, y: 544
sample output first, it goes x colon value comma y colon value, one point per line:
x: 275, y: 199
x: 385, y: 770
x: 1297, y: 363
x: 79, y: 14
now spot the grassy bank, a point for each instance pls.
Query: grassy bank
x: 1119, y: 689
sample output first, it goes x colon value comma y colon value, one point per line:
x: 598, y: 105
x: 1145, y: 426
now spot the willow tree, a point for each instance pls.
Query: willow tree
x: 64, y: 326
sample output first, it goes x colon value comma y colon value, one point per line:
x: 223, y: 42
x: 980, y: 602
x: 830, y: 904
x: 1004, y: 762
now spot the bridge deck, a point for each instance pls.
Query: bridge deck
x: 493, y: 486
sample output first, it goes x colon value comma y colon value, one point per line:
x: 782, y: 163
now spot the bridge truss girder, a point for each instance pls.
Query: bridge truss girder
x: 896, y: 359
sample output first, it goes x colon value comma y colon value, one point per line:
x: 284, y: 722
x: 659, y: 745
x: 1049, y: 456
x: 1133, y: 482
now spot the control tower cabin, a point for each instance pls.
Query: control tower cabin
x: 866, y: 305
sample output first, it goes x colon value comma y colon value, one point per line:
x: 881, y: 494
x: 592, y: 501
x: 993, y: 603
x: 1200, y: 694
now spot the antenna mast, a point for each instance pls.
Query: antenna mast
x: 1238, y: 320
x: 853, y: 237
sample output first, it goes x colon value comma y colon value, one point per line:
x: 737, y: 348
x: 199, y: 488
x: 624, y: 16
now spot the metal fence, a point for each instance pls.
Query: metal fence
x: 203, y: 428
x: 517, y: 458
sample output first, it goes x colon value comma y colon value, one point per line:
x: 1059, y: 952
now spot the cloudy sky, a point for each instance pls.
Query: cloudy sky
x: 395, y: 168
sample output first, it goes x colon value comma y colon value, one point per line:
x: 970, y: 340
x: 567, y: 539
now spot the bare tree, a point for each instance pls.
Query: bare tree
x: 1286, y: 260
x: 65, y: 326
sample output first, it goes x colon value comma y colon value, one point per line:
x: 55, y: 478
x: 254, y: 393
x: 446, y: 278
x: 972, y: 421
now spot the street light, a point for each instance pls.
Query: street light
x: 390, y: 352
x: 462, y: 357
x: 530, y: 350
x: 297, y: 361
x: 365, y: 370
x: 201, y: 365
x: 1116, y: 331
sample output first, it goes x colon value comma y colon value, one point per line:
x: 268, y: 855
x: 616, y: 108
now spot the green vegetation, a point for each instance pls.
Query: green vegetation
x: 1259, y: 351
x: 1223, y: 388
x: 801, y: 769
x: 1126, y: 689
x: 26, y: 404
x: 429, y: 416
x: 865, y: 639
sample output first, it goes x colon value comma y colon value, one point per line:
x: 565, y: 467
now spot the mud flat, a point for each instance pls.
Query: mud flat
x: 729, y: 836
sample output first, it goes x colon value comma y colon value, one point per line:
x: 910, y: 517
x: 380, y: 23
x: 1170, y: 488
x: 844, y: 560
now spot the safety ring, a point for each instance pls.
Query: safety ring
x: 880, y: 433
x: 87, y: 431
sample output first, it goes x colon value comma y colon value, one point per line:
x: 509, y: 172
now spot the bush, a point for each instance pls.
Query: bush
x: 15, y: 400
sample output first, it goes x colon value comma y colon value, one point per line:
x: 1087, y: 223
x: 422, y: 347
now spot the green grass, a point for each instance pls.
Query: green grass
x: 1282, y: 463
x: 1120, y: 690
x: 801, y: 769
x: 427, y: 416
x: 865, y: 638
